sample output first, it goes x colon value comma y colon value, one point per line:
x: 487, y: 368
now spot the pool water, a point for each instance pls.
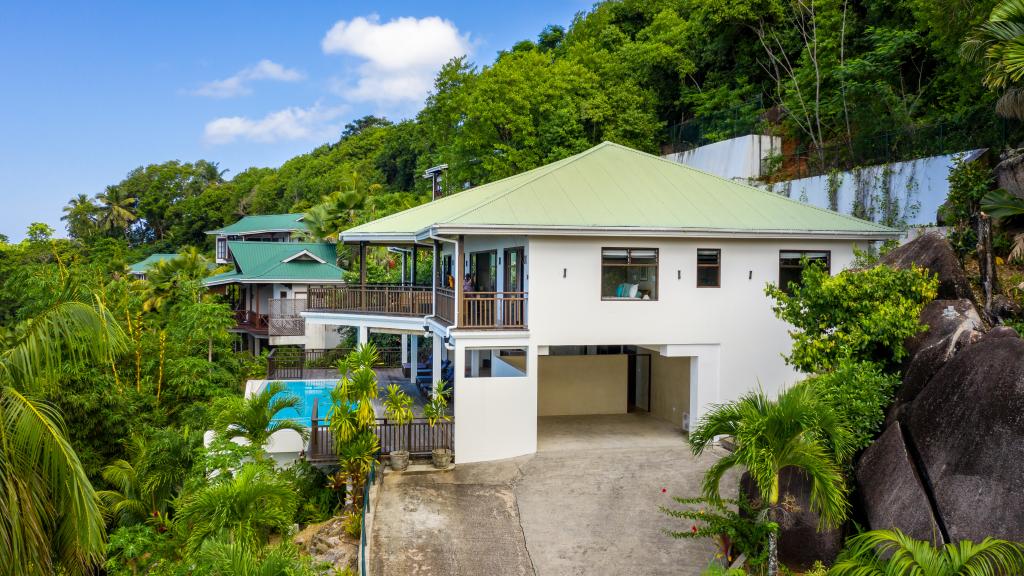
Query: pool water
x: 307, y: 391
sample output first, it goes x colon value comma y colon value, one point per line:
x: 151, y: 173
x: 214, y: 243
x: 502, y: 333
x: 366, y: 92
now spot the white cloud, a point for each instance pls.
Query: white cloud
x: 399, y: 57
x: 316, y: 122
x: 238, y: 85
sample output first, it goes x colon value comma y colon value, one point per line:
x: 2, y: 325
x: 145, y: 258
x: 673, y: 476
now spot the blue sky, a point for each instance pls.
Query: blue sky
x: 94, y: 89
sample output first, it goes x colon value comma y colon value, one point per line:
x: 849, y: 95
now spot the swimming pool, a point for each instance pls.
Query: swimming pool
x: 307, y: 391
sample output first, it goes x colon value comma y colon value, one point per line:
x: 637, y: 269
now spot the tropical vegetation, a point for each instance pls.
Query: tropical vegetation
x: 893, y: 553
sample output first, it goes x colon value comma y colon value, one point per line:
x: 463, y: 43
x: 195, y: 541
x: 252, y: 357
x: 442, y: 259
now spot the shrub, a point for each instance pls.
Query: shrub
x: 968, y: 184
x: 861, y: 315
x: 859, y: 393
x: 735, y: 526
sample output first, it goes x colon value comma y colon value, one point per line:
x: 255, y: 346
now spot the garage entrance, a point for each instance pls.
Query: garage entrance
x: 617, y: 396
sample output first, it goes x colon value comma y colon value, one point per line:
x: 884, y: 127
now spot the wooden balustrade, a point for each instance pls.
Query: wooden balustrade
x: 251, y: 321
x: 390, y: 300
x: 418, y: 437
x: 493, y: 310
x: 287, y: 363
x: 445, y: 305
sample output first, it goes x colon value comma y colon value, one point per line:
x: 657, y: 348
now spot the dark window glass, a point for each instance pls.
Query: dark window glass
x: 709, y: 268
x: 791, y: 265
x: 629, y: 274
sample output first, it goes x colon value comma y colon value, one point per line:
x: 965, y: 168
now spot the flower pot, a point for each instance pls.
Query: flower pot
x: 442, y: 457
x: 399, y: 460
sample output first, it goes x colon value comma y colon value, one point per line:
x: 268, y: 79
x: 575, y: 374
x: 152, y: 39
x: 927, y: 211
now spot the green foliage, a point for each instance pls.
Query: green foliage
x: 436, y: 408
x: 862, y: 315
x: 858, y: 393
x: 969, y: 182
x: 316, y: 501
x: 893, y: 553
x: 255, y: 418
x: 734, y: 525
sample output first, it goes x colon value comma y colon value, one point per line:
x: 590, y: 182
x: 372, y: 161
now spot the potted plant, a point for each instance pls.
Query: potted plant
x: 397, y: 408
x: 436, y: 411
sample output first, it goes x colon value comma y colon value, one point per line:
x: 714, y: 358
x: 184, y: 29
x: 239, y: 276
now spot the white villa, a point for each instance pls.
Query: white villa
x: 607, y: 282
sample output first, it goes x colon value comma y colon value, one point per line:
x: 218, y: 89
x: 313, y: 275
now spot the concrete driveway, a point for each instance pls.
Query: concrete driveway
x: 586, y: 503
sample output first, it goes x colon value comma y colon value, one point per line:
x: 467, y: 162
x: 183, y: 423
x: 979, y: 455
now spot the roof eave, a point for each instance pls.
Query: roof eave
x: 272, y: 281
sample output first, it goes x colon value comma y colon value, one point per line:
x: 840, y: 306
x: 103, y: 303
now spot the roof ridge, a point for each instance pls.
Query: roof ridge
x: 550, y: 168
x: 761, y: 190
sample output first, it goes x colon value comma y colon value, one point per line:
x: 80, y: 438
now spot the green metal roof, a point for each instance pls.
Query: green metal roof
x: 143, y: 266
x: 615, y: 190
x: 280, y: 262
x: 264, y: 223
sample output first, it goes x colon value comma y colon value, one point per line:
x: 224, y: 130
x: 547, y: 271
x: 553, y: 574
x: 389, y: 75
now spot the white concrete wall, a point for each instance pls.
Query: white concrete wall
x: 738, y: 158
x: 731, y: 330
x: 495, y: 418
x: 670, y: 388
x: 919, y: 186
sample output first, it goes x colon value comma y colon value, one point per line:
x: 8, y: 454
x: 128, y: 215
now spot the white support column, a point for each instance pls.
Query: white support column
x: 362, y: 335
x: 438, y: 347
x: 405, y: 348
x: 414, y: 357
x: 474, y: 363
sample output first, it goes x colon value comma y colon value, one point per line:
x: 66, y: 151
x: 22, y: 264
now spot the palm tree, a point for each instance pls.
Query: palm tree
x: 1001, y: 205
x: 796, y: 430
x: 255, y: 418
x: 893, y: 553
x: 998, y: 44
x: 145, y: 484
x: 352, y: 417
x: 219, y: 558
x: 166, y: 276
x: 243, y: 509
x: 80, y: 216
x: 116, y: 209
x: 50, y: 519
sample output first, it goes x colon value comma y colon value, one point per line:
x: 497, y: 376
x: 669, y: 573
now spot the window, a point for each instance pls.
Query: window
x: 222, y: 248
x: 709, y: 268
x: 495, y: 362
x: 791, y: 265
x: 629, y: 274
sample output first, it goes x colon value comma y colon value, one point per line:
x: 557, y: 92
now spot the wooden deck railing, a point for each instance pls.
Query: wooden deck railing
x: 493, y: 310
x: 295, y: 363
x: 445, y: 305
x: 390, y: 300
x: 285, y: 317
x: 418, y: 437
x: 251, y: 321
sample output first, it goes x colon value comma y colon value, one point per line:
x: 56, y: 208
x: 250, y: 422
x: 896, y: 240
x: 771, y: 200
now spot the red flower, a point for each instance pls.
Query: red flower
x: 693, y: 528
x: 663, y: 490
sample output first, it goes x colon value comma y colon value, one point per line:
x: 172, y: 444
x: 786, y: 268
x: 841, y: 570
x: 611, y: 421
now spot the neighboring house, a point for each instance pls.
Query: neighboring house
x: 140, y: 268
x: 261, y: 228
x: 607, y: 282
x: 271, y: 278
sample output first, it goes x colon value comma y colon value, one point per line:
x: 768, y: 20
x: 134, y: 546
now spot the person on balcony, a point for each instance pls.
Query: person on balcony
x: 468, y: 285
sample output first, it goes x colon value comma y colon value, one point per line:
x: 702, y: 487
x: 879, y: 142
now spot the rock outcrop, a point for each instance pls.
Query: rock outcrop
x: 950, y: 464
x: 967, y: 426
x: 328, y: 542
x: 891, y: 489
x: 933, y: 252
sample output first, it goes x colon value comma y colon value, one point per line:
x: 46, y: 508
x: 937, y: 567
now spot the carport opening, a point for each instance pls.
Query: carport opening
x: 626, y: 391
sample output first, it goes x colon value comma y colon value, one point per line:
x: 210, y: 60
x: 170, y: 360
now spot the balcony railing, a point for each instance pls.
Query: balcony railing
x: 285, y: 317
x: 479, y: 310
x: 250, y: 321
x: 418, y: 437
x: 289, y: 363
x: 388, y: 300
x: 493, y: 310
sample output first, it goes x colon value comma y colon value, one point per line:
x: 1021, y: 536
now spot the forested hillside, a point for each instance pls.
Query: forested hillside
x: 834, y: 77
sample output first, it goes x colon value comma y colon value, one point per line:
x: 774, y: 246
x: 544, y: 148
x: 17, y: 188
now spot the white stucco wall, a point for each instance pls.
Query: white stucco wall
x: 738, y: 158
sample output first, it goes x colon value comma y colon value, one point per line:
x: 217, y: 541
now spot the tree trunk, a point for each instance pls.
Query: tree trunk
x: 986, y: 262
x: 773, y: 553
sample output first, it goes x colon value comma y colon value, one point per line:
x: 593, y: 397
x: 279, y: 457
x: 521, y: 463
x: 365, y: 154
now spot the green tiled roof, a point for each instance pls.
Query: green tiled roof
x: 264, y: 223
x: 617, y: 190
x: 143, y: 266
x: 266, y: 262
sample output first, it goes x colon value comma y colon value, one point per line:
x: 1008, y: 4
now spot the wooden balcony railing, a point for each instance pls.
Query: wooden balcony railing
x: 251, y: 321
x: 493, y: 310
x: 445, y: 305
x: 418, y: 437
x: 389, y: 300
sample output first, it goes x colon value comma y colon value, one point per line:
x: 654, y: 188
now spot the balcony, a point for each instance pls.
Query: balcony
x: 251, y: 322
x: 380, y: 299
x: 478, y: 311
x: 286, y: 317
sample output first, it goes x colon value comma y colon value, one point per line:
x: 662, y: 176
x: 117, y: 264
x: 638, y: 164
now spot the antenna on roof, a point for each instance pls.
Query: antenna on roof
x: 435, y: 175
